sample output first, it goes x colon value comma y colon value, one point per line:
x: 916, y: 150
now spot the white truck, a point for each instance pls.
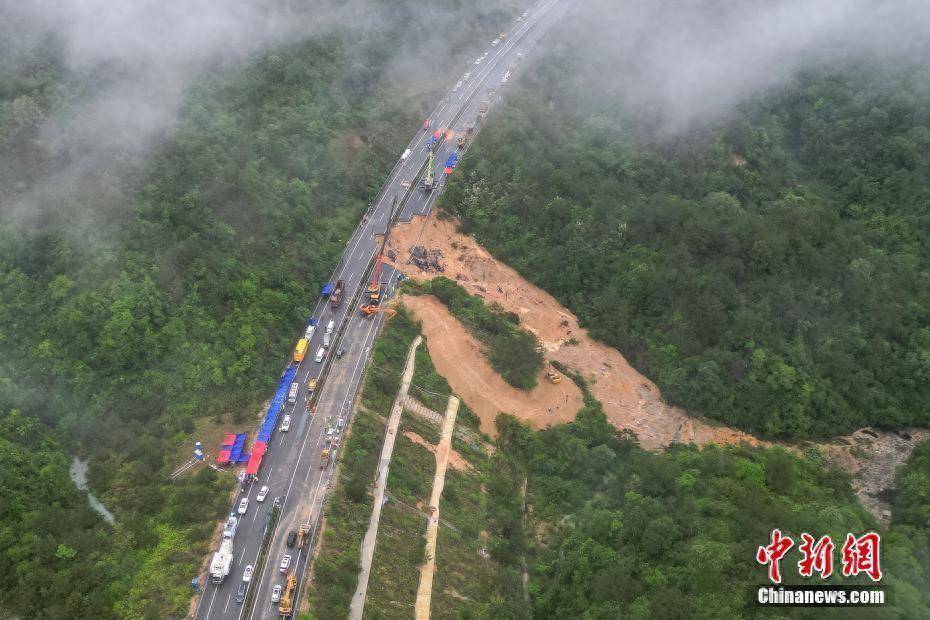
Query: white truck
x: 222, y: 561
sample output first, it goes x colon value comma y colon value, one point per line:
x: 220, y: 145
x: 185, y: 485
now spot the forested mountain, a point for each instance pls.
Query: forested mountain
x: 618, y: 532
x: 768, y: 268
x: 162, y: 290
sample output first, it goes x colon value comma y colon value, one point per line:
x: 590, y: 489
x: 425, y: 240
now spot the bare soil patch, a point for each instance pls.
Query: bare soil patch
x: 456, y: 460
x: 458, y: 357
x: 630, y: 400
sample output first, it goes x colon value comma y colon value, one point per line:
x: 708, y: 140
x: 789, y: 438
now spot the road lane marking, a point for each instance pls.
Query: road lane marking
x: 480, y: 80
x: 212, y: 598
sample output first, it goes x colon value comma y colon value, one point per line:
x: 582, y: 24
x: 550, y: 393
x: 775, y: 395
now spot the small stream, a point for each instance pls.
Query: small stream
x: 78, y: 473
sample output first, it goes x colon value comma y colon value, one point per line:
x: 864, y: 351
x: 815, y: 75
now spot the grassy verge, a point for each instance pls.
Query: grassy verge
x: 336, y: 568
x: 513, y: 352
x: 395, y: 571
x: 429, y: 387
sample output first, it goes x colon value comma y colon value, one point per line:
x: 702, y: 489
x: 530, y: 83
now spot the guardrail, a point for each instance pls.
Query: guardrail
x: 267, y: 537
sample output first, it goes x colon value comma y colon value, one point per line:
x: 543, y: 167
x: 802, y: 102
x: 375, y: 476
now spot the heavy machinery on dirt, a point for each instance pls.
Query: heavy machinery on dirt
x: 286, y: 604
x: 552, y: 374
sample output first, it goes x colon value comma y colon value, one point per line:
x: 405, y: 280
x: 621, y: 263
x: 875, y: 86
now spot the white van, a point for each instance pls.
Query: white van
x: 330, y: 327
x: 309, y: 333
x: 320, y: 354
x: 292, y: 395
x: 327, y: 338
x: 405, y: 155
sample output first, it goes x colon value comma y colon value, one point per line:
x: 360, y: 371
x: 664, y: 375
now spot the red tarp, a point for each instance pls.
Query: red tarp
x: 255, y: 461
x: 223, y: 457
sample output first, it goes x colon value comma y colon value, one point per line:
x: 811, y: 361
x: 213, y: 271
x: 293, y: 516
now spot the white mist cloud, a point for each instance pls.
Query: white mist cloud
x: 685, y: 61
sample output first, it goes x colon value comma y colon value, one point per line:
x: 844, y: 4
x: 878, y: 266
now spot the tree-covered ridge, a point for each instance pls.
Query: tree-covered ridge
x: 616, y: 531
x: 513, y: 352
x: 200, y: 272
x: 771, y: 271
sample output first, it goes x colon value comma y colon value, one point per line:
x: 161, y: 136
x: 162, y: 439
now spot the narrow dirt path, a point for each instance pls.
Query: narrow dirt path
x: 357, y: 606
x: 425, y: 590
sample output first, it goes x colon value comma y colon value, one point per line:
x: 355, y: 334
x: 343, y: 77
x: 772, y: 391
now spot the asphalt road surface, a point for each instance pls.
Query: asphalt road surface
x: 292, y: 467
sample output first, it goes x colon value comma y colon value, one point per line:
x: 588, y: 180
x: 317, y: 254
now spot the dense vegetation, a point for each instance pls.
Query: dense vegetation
x: 466, y: 583
x: 616, y: 531
x: 204, y: 261
x: 513, y: 352
x: 771, y: 270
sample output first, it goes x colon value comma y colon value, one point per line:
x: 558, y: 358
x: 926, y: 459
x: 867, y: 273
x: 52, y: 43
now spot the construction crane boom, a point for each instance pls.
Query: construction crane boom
x: 374, y: 289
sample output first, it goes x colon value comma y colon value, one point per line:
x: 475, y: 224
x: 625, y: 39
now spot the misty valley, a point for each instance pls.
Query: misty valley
x: 474, y: 310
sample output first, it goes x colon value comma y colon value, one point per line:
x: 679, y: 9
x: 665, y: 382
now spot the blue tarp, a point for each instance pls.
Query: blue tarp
x: 450, y: 163
x: 328, y: 289
x: 236, y: 455
x: 277, y: 403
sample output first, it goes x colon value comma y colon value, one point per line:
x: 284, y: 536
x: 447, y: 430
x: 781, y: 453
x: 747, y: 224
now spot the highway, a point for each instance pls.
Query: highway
x: 292, y: 467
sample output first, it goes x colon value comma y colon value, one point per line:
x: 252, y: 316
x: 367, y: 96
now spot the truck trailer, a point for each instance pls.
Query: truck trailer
x: 301, y: 349
x: 222, y: 561
x: 335, y: 298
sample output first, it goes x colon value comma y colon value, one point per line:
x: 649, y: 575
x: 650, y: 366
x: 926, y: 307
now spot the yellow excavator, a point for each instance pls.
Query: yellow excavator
x: 552, y: 375
x: 371, y: 310
x: 286, y: 605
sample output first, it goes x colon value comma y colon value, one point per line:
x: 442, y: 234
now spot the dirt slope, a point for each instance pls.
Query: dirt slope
x: 631, y: 401
x: 457, y: 356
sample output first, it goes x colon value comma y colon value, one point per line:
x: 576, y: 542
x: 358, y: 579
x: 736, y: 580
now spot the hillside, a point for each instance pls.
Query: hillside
x: 157, y: 294
x: 769, y: 268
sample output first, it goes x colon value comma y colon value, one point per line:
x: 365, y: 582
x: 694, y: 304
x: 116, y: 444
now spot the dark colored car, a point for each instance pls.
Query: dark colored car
x: 240, y: 593
x: 291, y: 539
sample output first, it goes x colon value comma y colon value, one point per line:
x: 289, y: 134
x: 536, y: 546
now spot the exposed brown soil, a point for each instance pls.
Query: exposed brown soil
x: 458, y: 357
x: 456, y: 460
x: 631, y: 401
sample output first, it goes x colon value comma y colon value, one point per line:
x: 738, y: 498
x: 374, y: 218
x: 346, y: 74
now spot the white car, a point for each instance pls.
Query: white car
x: 467, y: 75
x: 247, y: 573
x: 286, y: 424
x: 478, y: 61
x: 243, y: 505
x: 262, y: 494
x: 276, y: 593
x: 285, y: 563
x: 341, y: 423
x: 495, y: 42
x: 329, y: 433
